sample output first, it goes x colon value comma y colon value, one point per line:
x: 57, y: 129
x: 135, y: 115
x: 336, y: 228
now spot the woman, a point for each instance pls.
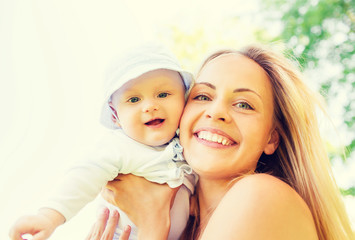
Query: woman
x: 249, y: 113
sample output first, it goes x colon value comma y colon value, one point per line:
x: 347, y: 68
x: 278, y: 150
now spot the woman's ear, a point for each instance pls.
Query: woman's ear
x: 114, y: 116
x: 273, y: 143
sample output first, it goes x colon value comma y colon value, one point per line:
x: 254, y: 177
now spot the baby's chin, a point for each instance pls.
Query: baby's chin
x: 160, y: 141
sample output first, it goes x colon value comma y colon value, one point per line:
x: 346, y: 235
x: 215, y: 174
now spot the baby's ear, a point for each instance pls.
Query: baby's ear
x: 273, y: 143
x: 114, y: 116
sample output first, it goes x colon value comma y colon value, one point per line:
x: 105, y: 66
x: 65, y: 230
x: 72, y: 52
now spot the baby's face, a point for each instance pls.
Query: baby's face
x: 149, y: 107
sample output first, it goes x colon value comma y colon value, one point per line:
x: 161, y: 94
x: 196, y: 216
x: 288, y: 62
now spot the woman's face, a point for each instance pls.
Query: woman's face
x: 228, y: 120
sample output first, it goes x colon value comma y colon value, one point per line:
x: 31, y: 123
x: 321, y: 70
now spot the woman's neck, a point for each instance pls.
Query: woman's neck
x: 210, y: 193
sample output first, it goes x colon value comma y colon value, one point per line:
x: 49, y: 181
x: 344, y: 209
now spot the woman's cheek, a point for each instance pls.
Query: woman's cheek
x: 185, y: 123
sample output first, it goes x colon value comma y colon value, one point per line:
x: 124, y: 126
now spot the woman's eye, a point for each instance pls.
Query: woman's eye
x: 202, y: 98
x: 244, y: 105
x: 163, y: 95
x: 133, y: 99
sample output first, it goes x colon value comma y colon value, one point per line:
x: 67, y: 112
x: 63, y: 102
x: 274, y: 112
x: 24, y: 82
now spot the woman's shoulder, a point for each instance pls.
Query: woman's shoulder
x: 267, y: 191
x: 256, y: 184
x: 261, y: 206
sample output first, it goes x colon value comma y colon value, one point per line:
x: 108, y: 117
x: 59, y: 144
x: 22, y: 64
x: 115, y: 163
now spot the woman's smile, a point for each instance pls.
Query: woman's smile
x: 214, y: 138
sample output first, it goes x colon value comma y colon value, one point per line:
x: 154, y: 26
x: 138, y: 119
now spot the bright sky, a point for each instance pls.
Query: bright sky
x: 53, y: 54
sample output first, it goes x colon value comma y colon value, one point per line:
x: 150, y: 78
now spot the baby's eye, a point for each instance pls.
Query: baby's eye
x: 244, y: 105
x: 133, y: 99
x: 163, y: 95
x: 202, y: 98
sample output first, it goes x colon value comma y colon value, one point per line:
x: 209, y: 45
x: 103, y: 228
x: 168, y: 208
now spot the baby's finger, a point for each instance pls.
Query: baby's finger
x: 40, y: 236
x: 15, y: 236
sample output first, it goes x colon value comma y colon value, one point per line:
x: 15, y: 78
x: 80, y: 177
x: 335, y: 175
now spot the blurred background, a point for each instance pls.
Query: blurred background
x: 53, y: 56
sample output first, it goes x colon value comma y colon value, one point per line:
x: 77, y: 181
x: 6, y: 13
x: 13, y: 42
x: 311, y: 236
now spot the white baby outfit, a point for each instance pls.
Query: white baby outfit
x: 117, y: 153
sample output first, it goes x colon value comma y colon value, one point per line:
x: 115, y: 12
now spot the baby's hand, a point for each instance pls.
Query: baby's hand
x: 40, y: 226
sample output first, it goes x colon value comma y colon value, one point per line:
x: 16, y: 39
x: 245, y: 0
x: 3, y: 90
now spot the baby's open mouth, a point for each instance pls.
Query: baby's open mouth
x: 154, y: 122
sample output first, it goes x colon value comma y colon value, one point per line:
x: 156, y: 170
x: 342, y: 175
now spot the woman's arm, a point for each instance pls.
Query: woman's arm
x: 261, y: 207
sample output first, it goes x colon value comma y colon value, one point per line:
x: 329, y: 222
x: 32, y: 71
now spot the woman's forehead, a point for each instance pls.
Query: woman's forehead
x: 230, y: 59
x: 232, y: 66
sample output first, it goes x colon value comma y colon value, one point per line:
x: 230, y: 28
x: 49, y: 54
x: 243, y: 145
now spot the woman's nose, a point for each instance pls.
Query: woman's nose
x: 218, y: 111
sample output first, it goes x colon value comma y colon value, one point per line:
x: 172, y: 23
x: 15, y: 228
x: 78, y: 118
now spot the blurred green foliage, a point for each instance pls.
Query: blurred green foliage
x: 322, y: 36
x: 349, y: 191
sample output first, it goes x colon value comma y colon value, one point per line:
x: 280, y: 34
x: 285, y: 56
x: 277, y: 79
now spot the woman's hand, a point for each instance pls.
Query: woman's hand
x: 147, y: 204
x: 105, y: 226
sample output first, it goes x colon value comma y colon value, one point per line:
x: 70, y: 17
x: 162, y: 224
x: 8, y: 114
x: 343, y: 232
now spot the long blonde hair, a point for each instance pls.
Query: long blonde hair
x: 301, y: 159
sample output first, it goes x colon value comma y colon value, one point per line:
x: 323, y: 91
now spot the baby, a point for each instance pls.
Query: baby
x: 145, y: 98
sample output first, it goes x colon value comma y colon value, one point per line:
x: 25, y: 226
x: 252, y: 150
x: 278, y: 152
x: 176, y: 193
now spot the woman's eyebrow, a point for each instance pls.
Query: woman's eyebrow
x: 234, y: 91
x: 207, y: 84
x: 245, y: 90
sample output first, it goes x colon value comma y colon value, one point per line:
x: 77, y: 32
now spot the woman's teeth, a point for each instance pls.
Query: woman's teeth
x: 213, y: 137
